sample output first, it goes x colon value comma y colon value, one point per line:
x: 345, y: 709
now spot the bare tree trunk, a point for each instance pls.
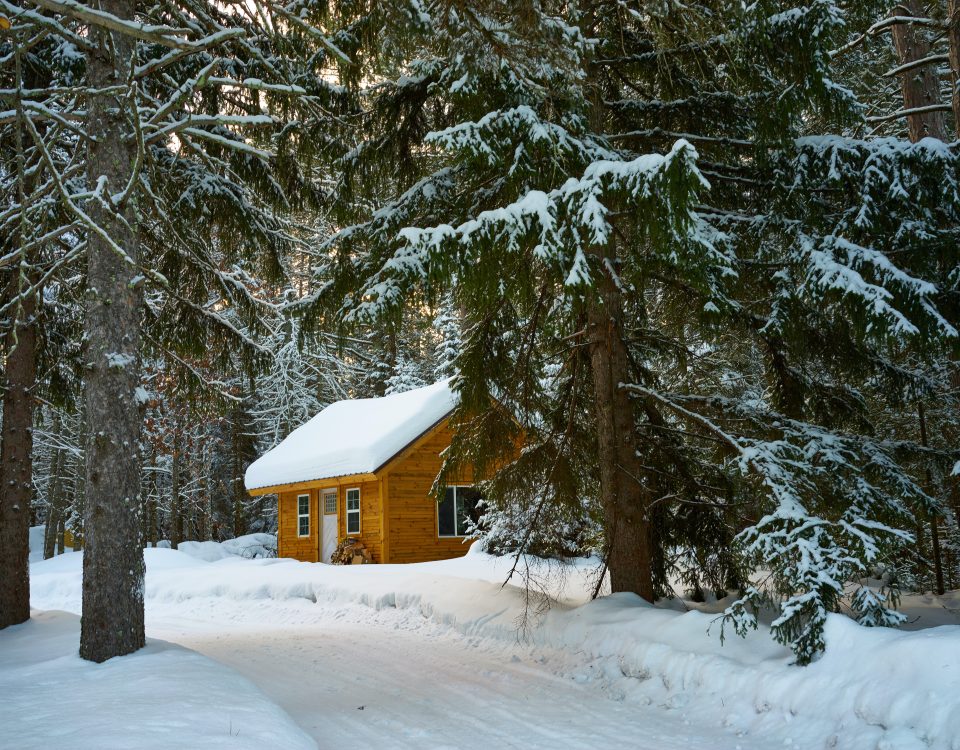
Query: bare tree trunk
x: 56, y: 503
x: 61, y: 529
x: 920, y: 86
x: 625, y: 502
x: 151, y: 538
x: 176, y: 502
x: 113, y: 568
x: 50, y: 532
x: 206, y: 514
x: 80, y: 480
x: 236, y: 480
x: 934, y: 520
x: 16, y: 461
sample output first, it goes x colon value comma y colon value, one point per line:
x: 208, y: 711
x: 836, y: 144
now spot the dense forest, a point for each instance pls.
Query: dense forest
x: 706, y: 255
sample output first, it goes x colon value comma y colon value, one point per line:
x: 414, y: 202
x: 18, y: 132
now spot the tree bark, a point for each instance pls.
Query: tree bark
x: 953, y: 39
x: 237, y: 469
x: 934, y: 520
x: 16, y: 461
x: 176, y: 502
x: 113, y: 567
x: 80, y: 480
x: 624, y: 499
x: 154, y: 484
x: 61, y: 529
x: 56, y: 504
x: 920, y: 86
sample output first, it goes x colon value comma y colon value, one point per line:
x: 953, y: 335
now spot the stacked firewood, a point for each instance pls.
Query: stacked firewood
x: 351, y: 551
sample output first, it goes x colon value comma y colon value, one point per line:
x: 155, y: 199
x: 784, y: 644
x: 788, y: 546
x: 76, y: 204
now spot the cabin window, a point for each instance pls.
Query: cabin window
x: 457, y: 510
x: 353, y: 511
x: 303, y: 515
x: 329, y: 502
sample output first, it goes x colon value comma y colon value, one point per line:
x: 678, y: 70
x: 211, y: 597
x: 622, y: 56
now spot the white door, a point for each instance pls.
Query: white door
x: 328, y: 501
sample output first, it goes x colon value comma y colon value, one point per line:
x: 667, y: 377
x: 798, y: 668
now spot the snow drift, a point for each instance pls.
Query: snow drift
x: 164, y: 696
x: 874, y: 688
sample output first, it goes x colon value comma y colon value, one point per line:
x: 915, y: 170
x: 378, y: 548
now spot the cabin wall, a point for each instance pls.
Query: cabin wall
x: 307, y: 548
x: 411, y: 512
x: 370, y: 532
x: 289, y: 543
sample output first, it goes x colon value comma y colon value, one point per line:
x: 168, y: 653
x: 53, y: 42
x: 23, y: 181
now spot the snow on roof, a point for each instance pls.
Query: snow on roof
x: 357, y: 436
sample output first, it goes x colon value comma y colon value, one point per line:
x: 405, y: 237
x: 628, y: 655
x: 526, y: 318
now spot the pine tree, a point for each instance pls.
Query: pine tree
x: 673, y: 247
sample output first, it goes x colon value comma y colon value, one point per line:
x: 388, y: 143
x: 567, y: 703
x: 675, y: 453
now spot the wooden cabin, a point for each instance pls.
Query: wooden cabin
x: 364, y: 468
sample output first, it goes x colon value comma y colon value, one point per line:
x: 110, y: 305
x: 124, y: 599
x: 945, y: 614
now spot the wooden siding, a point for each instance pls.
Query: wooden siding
x: 289, y: 543
x: 307, y: 549
x: 412, y: 514
x: 369, y: 516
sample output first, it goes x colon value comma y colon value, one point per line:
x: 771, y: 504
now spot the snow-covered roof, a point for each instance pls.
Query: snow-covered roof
x: 352, y: 437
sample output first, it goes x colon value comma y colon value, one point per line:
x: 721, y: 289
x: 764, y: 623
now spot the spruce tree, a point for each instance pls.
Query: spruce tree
x: 653, y: 230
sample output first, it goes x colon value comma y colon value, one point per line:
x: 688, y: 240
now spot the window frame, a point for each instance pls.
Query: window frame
x: 349, y: 511
x: 301, y: 516
x: 453, y: 487
x: 324, y: 494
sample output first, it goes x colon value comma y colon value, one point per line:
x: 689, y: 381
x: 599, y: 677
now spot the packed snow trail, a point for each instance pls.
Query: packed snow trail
x: 361, y: 679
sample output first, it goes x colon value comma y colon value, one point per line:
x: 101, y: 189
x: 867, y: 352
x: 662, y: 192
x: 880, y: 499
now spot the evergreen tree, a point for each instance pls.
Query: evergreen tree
x: 645, y: 229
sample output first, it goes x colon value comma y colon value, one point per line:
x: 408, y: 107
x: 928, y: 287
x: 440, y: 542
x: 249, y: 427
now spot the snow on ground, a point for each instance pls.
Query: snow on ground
x: 249, y: 546
x: 164, y: 696
x: 430, y: 655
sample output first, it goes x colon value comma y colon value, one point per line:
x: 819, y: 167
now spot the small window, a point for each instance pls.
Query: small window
x: 329, y: 502
x: 353, y: 511
x: 457, y: 511
x: 303, y: 515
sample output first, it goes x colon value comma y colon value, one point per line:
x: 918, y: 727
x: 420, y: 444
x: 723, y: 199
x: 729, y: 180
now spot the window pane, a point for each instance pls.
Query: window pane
x: 467, y: 511
x: 353, y: 499
x: 445, y: 514
x: 303, y: 505
x: 353, y: 522
x: 329, y: 503
x: 304, y: 529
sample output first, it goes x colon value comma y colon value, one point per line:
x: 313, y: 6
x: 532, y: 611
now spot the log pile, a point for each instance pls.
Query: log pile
x: 351, y: 551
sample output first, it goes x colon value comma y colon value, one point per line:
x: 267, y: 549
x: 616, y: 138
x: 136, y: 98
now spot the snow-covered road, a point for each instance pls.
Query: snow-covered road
x: 357, y: 678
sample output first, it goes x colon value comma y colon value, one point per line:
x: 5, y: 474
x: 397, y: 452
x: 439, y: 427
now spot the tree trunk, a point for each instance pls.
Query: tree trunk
x: 113, y: 567
x: 624, y: 500
x: 176, y: 502
x: 934, y: 520
x: 61, y: 529
x: 236, y: 480
x: 953, y: 39
x: 80, y: 480
x: 16, y: 461
x: 920, y: 86
x: 50, y: 533
x: 56, y: 504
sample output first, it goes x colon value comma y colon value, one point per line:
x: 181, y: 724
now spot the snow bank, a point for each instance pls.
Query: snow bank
x: 873, y: 689
x: 164, y: 696
x: 250, y: 546
x: 352, y: 437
